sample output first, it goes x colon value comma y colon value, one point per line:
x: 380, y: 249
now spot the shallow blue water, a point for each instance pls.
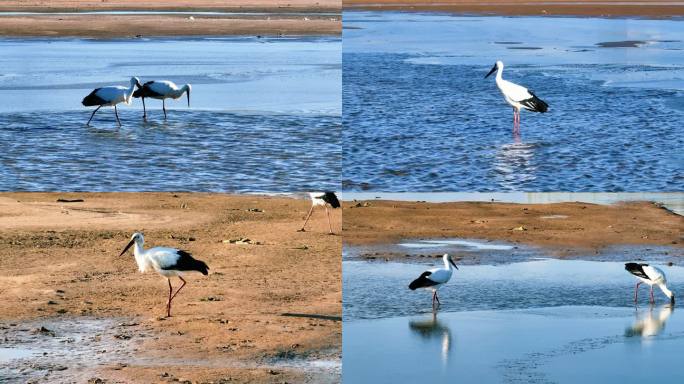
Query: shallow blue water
x: 419, y: 116
x: 264, y: 115
x: 535, y: 321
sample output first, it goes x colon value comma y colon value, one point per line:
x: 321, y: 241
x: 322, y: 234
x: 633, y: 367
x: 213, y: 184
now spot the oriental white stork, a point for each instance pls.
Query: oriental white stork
x: 167, y: 262
x: 110, y: 96
x: 434, y: 278
x: 652, y: 276
x: 324, y: 199
x: 517, y: 96
x: 161, y: 90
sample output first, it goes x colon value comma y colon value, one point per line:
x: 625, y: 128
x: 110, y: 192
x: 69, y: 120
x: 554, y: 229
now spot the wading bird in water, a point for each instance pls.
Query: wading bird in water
x: 161, y: 90
x: 324, y: 199
x: 517, y: 96
x: 434, y: 278
x: 167, y: 262
x: 110, y: 96
x: 652, y: 276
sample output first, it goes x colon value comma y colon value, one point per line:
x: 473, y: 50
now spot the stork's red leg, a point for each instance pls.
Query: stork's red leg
x: 652, y: 298
x: 144, y: 109
x: 636, y: 292
x: 168, y: 303
x: 91, y: 116
x: 308, y: 216
x: 174, y: 295
x: 117, y: 116
x: 164, y: 107
x: 329, y: 222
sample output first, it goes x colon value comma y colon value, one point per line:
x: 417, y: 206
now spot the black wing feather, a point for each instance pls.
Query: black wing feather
x: 534, y: 103
x: 637, y: 269
x: 422, y: 282
x: 93, y: 99
x: 145, y: 91
x: 331, y: 198
x: 186, y: 262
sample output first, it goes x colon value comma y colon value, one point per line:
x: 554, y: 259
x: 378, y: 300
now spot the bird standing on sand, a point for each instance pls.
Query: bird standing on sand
x: 651, y: 276
x: 110, y: 96
x: 324, y: 199
x: 434, y: 278
x: 167, y: 262
x: 517, y: 96
x: 161, y: 90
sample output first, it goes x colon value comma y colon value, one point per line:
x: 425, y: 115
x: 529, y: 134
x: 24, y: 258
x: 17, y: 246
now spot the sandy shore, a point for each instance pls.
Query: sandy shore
x: 601, y: 8
x: 298, y: 17
x: 60, y: 264
x: 564, y: 226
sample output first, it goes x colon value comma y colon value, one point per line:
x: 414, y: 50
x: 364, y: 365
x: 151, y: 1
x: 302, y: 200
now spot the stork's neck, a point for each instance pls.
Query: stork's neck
x: 139, y: 254
x: 179, y: 92
x: 666, y: 291
x: 499, y: 72
x: 447, y: 264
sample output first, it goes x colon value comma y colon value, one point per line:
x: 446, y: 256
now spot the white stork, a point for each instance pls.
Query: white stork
x: 652, y: 276
x: 110, y: 96
x: 324, y: 199
x: 161, y: 90
x: 434, y: 278
x: 517, y: 96
x: 167, y: 262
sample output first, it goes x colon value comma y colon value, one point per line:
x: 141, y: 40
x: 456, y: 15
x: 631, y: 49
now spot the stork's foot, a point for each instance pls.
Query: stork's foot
x: 301, y: 230
x: 332, y: 233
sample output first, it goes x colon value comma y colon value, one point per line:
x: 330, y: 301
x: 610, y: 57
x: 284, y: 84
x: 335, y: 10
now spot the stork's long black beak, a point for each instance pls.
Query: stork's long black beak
x: 672, y: 301
x: 492, y: 71
x: 128, y: 246
x: 188, y: 94
x: 452, y: 263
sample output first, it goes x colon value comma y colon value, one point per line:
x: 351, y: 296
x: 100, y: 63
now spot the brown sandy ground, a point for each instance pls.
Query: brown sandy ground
x: 309, y: 19
x: 564, y: 227
x: 60, y: 261
x: 601, y: 8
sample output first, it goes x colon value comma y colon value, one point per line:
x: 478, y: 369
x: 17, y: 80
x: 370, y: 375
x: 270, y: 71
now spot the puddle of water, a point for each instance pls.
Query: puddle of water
x: 8, y: 354
x: 422, y: 244
x: 380, y: 289
x: 267, y: 111
x: 672, y: 201
x: 392, y: 119
x: 569, y: 344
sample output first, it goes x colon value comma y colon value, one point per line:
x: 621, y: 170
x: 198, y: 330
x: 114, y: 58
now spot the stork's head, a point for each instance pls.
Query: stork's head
x: 135, y: 81
x: 449, y: 259
x: 497, y: 65
x: 137, y: 238
x: 187, y: 89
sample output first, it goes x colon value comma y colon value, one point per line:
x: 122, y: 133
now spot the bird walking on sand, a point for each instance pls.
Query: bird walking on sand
x: 167, y: 262
x: 161, y: 90
x: 517, y: 96
x: 652, y: 276
x: 434, y: 278
x: 324, y: 199
x: 110, y: 96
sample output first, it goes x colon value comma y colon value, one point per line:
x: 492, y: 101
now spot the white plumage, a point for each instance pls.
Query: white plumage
x: 167, y: 262
x: 517, y: 96
x: 161, y: 90
x: 652, y: 276
x: 110, y: 96
x: 434, y: 278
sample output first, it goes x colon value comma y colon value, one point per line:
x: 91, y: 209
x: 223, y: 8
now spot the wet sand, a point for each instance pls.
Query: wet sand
x: 298, y: 17
x: 601, y: 8
x: 60, y: 263
x: 567, y: 227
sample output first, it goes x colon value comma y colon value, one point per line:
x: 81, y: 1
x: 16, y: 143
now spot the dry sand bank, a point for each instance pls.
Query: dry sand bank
x: 601, y: 8
x: 563, y: 226
x: 298, y: 17
x: 60, y: 262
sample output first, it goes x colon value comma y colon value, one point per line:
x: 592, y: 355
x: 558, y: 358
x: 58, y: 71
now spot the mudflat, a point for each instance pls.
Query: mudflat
x: 242, y: 17
x: 600, y: 8
x: 563, y: 226
x: 272, y: 297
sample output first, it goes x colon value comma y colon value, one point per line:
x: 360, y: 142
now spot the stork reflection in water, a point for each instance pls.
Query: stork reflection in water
x: 651, y: 322
x: 429, y: 329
